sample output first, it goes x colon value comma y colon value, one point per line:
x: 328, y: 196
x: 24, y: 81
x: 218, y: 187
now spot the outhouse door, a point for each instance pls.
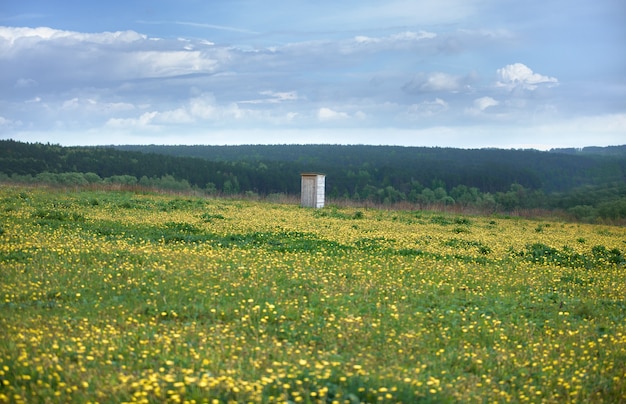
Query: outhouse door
x: 309, y: 191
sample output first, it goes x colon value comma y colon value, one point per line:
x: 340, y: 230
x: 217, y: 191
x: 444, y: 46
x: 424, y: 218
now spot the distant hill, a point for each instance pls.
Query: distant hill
x: 257, y: 167
x: 616, y: 151
x: 489, y: 170
x: 325, y: 153
x: 589, y: 182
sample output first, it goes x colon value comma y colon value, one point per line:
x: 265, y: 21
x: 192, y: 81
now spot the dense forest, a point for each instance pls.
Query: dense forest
x: 588, y: 183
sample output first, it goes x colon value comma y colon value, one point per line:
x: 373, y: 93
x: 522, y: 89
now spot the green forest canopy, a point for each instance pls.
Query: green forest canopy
x: 579, y: 180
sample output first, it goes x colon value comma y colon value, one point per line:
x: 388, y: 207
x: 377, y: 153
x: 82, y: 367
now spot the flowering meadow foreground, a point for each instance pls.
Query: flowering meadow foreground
x: 123, y: 297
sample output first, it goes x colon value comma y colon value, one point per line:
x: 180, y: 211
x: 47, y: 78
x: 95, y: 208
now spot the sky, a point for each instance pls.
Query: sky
x: 447, y: 73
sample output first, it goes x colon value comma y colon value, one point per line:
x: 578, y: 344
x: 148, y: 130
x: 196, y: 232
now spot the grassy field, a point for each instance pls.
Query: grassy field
x: 122, y: 297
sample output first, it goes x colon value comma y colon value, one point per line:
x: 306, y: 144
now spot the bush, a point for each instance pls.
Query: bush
x: 92, y: 178
x: 121, y: 179
x: 613, y: 256
x: 613, y: 209
x: 72, y: 179
x: 567, y: 257
x: 583, y: 212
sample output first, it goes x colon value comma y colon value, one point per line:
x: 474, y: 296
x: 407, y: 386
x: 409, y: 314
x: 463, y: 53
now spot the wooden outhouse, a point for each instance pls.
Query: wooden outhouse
x: 313, y: 185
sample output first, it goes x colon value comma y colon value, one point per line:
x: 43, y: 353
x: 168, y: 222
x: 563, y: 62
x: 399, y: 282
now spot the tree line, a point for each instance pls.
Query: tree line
x: 587, y: 184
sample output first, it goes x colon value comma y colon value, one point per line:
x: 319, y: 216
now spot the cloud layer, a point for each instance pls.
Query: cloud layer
x: 409, y: 80
x: 520, y: 76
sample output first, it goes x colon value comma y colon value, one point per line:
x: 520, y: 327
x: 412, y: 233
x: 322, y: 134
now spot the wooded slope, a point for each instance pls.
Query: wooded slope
x: 581, y: 179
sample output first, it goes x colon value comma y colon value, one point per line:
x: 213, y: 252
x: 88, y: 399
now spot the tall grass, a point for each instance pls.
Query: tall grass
x: 141, y: 297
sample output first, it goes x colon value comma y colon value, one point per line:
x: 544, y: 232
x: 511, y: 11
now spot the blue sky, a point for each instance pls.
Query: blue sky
x: 450, y: 73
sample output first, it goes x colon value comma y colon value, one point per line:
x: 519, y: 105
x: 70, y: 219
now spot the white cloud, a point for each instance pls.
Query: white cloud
x: 143, y: 122
x: 405, y: 36
x: 206, y: 108
x: 153, y: 64
x: 273, y: 97
x: 438, y: 82
x: 351, y: 50
x: 483, y: 103
x: 93, y: 106
x: 175, y: 116
x: 327, y: 114
x: 277, y: 96
x: 8, y: 123
x: 200, y: 25
x: 55, y: 55
x: 441, y: 82
x: 202, y: 109
x: 480, y: 105
x: 429, y: 108
x: 25, y: 36
x: 520, y: 76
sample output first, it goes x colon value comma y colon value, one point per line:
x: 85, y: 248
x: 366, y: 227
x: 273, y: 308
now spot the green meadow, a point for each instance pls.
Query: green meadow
x: 111, y: 296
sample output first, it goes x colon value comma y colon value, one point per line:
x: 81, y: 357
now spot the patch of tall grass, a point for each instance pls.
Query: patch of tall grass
x: 122, y: 297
